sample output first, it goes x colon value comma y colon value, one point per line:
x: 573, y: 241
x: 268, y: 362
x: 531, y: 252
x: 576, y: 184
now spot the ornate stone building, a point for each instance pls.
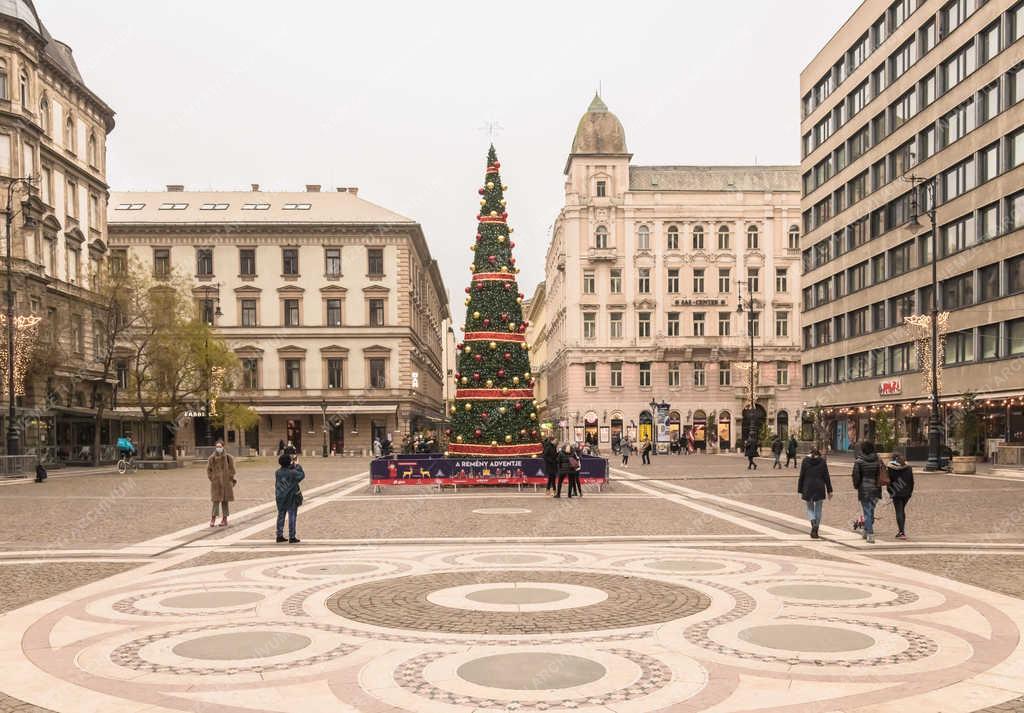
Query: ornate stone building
x: 330, y: 301
x: 53, y: 128
x: 642, y: 286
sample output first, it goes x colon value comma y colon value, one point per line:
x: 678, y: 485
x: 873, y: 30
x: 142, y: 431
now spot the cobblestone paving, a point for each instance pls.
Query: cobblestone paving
x: 997, y: 572
x: 22, y: 584
x: 1014, y: 706
x: 220, y: 557
x: 13, y: 705
x: 402, y: 603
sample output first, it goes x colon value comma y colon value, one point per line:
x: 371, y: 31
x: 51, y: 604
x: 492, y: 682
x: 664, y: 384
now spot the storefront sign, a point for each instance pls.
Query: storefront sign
x: 892, y: 387
x: 699, y: 301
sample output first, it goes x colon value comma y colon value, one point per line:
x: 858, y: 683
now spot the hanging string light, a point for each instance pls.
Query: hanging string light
x: 216, y: 387
x: 26, y: 334
x: 920, y: 326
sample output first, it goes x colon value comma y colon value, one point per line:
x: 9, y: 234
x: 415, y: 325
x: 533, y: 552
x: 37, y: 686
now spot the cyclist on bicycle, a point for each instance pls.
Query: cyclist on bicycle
x: 126, y: 447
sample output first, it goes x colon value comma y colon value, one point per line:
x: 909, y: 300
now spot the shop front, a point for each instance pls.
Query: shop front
x: 700, y: 430
x: 724, y: 431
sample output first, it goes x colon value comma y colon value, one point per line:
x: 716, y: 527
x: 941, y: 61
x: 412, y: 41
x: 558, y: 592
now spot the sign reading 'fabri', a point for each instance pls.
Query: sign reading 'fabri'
x: 892, y: 387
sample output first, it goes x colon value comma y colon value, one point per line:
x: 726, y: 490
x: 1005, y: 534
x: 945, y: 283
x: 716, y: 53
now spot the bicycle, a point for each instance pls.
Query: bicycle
x: 125, y: 463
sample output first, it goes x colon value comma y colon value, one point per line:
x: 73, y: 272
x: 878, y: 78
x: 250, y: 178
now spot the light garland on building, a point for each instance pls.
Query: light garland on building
x: 216, y: 387
x: 750, y: 376
x: 920, y: 326
x: 26, y: 333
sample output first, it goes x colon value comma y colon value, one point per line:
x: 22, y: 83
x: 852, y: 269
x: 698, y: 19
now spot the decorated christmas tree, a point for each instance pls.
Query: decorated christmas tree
x: 494, y: 413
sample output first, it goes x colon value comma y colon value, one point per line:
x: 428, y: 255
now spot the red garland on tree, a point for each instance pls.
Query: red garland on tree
x: 501, y: 419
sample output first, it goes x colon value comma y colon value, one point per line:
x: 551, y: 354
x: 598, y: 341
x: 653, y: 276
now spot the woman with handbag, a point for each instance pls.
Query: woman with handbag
x: 288, y: 495
x: 900, y: 487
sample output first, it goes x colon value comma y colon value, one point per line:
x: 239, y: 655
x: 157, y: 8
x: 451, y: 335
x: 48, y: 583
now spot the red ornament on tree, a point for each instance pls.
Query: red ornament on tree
x: 496, y: 165
x: 507, y: 356
x: 485, y: 415
x: 460, y: 346
x: 479, y: 286
x: 504, y: 316
x: 480, y: 191
x: 478, y: 357
x: 487, y: 322
x: 522, y: 327
x: 491, y: 259
x: 511, y: 244
x: 476, y: 376
x: 467, y: 289
x: 518, y: 406
x: 478, y: 433
x: 501, y: 373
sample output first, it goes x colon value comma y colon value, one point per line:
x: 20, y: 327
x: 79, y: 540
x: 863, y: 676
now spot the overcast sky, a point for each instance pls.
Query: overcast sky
x: 391, y: 97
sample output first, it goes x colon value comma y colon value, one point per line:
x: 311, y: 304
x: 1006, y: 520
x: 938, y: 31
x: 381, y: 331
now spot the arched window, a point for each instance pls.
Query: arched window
x: 782, y: 424
x: 643, y: 238
x: 698, y: 237
x: 672, y: 238
x: 92, y: 149
x: 3, y: 80
x: 794, y: 237
x: 723, y: 237
x: 753, y: 241
x: 23, y: 89
x: 69, y: 134
x: 44, y: 115
x: 601, y: 237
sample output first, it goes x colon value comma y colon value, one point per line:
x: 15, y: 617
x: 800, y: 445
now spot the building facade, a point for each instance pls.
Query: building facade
x: 333, y: 305
x: 53, y: 129
x: 642, y: 289
x: 911, y: 105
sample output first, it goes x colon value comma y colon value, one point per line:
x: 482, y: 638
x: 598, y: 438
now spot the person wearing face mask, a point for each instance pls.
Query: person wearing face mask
x: 220, y: 469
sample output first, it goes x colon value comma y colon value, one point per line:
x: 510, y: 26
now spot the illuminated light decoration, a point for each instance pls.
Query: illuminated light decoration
x: 920, y: 326
x: 216, y: 387
x: 26, y: 334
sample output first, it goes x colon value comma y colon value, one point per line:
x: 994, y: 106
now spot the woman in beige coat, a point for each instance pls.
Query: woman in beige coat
x: 220, y: 469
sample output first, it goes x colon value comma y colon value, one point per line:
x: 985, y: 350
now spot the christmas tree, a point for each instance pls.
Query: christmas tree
x: 494, y: 413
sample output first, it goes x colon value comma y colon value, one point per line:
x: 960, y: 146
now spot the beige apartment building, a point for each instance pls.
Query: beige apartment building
x: 53, y: 129
x: 327, y: 299
x: 912, y: 104
x: 642, y: 285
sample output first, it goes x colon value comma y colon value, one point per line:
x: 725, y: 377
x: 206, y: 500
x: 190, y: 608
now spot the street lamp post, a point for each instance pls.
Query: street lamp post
x: 927, y: 186
x: 323, y: 409
x: 13, y: 436
x: 208, y: 427
x: 752, y: 424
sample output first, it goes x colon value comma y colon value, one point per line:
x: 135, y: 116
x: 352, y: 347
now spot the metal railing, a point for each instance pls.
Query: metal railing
x: 18, y: 466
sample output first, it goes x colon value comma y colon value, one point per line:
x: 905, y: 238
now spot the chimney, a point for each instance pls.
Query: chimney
x: 312, y: 188
x: 354, y: 190
x: 175, y: 188
x: 255, y: 187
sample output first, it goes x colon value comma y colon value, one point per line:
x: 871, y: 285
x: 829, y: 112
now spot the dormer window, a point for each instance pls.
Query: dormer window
x: 602, y: 189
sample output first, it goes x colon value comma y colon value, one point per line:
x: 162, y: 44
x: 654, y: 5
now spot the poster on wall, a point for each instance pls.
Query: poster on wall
x: 661, y: 419
x: 605, y: 434
x: 577, y: 435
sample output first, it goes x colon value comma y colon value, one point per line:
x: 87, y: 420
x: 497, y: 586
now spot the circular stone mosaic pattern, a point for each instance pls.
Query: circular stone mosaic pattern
x: 340, y: 569
x: 502, y: 511
x: 517, y: 595
x: 211, y: 600
x: 687, y: 565
x: 402, y: 603
x: 235, y: 645
x: 807, y: 638
x: 819, y: 592
x: 536, y: 671
x: 508, y: 559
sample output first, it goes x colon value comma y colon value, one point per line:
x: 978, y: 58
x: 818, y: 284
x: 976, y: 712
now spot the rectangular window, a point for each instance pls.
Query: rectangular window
x: 673, y: 374
x: 589, y: 286
x: 332, y: 262
x: 615, y: 374
x: 290, y: 261
x: 899, y: 359
x: 724, y: 373
x: 334, y: 372
x: 291, y: 313
x: 901, y: 307
x: 724, y: 323
x: 698, y: 279
x: 644, y: 325
x: 673, y: 280
x: 589, y: 325
x: 988, y: 222
x: 754, y: 324
x: 615, y: 325
x: 724, y: 280
x: 643, y: 283
x: 672, y: 239
x: 601, y: 187
x: 250, y: 374
x: 673, y: 324
x: 957, y: 67
x: 959, y: 179
x: 988, y: 281
x: 958, y: 235
x: 247, y: 262
x: 988, y: 163
x: 960, y: 347
x: 1015, y: 275
x: 781, y: 323
x: 781, y: 279
x: 927, y: 36
x: 988, y: 102
x: 204, y: 262
x: 333, y: 312
x: 645, y: 374
x: 161, y: 262
x: 699, y: 378
x: 957, y: 123
x: 782, y: 373
x: 1015, y: 337
x: 857, y: 365
x: 615, y: 281
x: 248, y: 313
x: 878, y: 269
x: 857, y: 321
x: 754, y: 279
x: 698, y: 324
x: 899, y: 259
x: 958, y: 291
x: 988, y: 341
x: 377, y: 312
x: 293, y: 373
x: 590, y: 375
x: 904, y: 57
x: 378, y: 373
x: 1015, y: 211
x: 878, y: 311
x: 375, y: 262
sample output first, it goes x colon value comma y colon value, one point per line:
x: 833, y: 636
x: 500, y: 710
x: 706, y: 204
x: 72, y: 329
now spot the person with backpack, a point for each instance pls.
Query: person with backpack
x: 288, y: 496
x: 550, y: 456
x: 791, y: 447
x: 125, y: 447
x: 867, y: 480
x: 814, y: 485
x: 776, y: 452
x: 901, y: 487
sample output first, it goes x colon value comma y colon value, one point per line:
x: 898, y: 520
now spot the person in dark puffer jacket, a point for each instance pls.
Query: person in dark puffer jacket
x: 866, y: 480
x: 814, y: 485
x: 901, y: 487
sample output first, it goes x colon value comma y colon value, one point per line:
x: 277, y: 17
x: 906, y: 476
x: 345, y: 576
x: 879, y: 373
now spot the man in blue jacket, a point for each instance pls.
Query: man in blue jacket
x: 288, y: 495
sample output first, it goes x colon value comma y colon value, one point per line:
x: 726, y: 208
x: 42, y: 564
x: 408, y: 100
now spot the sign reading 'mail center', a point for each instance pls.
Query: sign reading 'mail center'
x: 892, y: 387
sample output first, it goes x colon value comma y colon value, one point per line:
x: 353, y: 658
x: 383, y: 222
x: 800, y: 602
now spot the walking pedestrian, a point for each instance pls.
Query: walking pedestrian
x: 576, y: 463
x: 378, y: 449
x: 288, y: 496
x: 791, y: 446
x: 645, y: 451
x: 220, y: 469
x: 750, y: 451
x: 814, y: 485
x: 550, y: 464
x: 776, y: 452
x: 564, y: 469
x: 290, y: 450
x: 901, y: 487
x: 627, y: 448
x: 867, y: 481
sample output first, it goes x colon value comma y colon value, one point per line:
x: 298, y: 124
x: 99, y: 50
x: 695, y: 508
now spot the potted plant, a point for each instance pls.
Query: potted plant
x: 885, y: 435
x: 967, y: 429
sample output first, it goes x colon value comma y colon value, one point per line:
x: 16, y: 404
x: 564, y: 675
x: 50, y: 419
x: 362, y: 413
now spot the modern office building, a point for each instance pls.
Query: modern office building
x: 914, y: 104
x: 641, y: 294
x: 329, y: 301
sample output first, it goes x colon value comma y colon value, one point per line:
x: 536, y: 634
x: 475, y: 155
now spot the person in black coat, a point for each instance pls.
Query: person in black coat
x: 901, y: 487
x: 867, y: 481
x: 814, y: 485
x: 791, y: 447
x: 776, y: 452
x: 550, y: 464
x: 750, y: 451
x: 574, y: 474
x: 565, y: 457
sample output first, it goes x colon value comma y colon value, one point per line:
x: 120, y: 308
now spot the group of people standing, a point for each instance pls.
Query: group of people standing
x: 870, y: 475
x: 561, y: 463
x: 630, y: 446
x: 752, y: 449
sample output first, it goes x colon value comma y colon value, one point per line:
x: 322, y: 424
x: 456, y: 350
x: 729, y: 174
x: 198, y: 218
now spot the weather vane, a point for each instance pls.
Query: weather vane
x: 492, y: 128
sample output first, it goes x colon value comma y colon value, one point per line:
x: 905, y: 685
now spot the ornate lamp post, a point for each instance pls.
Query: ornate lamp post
x: 13, y: 436
x: 211, y: 320
x: 323, y: 409
x: 752, y: 420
